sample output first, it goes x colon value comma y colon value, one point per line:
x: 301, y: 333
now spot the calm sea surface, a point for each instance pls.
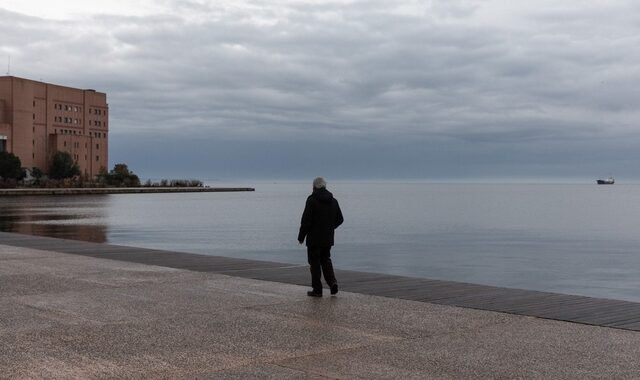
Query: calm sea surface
x: 574, y: 239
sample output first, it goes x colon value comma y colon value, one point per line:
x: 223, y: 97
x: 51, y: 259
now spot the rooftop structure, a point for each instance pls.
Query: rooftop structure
x: 38, y: 119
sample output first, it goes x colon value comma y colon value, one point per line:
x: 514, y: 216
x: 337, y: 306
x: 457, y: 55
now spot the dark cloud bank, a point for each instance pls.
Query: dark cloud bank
x: 428, y: 90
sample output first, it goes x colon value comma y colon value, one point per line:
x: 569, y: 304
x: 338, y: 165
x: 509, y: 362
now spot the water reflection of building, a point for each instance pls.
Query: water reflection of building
x: 92, y: 233
x: 38, y: 119
x: 47, y: 216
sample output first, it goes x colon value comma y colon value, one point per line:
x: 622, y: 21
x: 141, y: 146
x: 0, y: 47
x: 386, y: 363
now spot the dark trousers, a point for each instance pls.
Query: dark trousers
x: 319, y: 263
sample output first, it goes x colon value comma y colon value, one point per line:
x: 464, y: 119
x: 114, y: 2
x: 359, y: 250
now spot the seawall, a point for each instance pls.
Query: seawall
x: 120, y: 190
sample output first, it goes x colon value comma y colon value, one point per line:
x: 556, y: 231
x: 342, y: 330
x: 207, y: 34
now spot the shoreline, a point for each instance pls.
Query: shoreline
x: 78, y: 310
x: 120, y: 190
x: 602, y: 312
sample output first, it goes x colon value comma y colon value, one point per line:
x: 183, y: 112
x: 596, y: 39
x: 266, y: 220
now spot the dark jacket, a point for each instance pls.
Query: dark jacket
x: 320, y: 218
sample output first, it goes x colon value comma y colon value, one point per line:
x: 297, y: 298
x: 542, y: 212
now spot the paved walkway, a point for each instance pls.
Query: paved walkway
x: 69, y: 316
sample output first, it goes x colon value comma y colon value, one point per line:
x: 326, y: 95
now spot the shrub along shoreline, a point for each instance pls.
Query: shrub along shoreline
x: 65, y: 173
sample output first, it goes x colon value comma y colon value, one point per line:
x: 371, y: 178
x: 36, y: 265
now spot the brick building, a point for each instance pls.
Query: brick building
x: 39, y: 119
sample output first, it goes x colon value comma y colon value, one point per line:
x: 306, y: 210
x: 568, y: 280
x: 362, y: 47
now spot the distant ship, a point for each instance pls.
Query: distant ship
x: 608, y: 181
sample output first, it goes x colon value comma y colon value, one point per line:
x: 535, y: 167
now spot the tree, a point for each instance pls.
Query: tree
x: 63, y: 166
x: 121, y: 176
x: 10, y: 166
x: 37, y: 174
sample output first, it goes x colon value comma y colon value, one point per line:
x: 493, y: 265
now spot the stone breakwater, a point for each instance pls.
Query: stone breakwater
x: 121, y: 190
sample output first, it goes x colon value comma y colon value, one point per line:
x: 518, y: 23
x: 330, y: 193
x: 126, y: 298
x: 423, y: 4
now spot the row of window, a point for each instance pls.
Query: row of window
x: 76, y: 157
x: 67, y: 120
x: 76, y: 145
x: 70, y: 120
x: 69, y: 132
x: 99, y: 135
x: 65, y: 107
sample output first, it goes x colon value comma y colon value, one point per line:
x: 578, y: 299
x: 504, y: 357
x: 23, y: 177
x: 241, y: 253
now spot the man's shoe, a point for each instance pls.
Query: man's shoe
x: 314, y: 294
x: 334, y: 289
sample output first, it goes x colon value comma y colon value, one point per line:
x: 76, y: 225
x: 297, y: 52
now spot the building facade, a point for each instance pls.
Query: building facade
x: 39, y: 119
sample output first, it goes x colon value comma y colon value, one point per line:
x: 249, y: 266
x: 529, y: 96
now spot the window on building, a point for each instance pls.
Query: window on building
x: 97, y: 158
x: 3, y: 143
x: 97, y: 146
x: 65, y: 143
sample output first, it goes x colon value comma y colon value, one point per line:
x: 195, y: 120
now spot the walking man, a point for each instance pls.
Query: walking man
x: 320, y: 218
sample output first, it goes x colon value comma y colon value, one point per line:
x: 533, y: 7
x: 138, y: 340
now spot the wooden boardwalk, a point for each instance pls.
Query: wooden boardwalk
x: 579, y: 309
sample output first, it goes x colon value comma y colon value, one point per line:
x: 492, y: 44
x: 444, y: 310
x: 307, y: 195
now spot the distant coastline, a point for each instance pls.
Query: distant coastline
x: 118, y: 190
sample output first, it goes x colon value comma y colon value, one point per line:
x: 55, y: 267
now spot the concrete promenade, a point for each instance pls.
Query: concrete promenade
x: 70, y: 316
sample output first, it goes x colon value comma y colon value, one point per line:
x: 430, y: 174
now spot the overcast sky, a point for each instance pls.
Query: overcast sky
x: 433, y: 90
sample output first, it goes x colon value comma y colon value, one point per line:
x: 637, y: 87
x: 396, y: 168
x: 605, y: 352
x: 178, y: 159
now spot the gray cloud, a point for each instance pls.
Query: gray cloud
x: 460, y: 87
